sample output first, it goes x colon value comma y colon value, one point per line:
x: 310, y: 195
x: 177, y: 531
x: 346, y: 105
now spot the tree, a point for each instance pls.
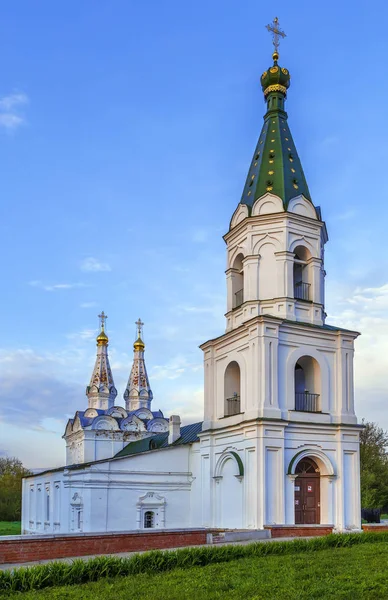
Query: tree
x: 374, y: 466
x: 11, y: 474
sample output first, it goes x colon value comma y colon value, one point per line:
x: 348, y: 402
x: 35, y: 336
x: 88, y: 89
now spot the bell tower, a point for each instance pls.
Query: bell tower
x: 278, y: 358
x: 275, y: 243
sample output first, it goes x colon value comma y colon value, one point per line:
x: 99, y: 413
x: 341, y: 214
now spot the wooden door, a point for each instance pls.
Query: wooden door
x: 307, y: 494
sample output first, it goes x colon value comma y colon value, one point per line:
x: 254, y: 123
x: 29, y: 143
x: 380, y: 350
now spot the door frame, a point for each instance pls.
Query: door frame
x: 302, y: 477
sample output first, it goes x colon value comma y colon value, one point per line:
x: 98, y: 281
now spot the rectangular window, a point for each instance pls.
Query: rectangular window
x: 149, y: 519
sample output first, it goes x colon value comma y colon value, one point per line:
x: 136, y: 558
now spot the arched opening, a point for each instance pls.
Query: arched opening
x: 302, y: 283
x: 307, y: 385
x: 307, y: 492
x: 238, y: 281
x: 232, y: 389
x: 149, y: 519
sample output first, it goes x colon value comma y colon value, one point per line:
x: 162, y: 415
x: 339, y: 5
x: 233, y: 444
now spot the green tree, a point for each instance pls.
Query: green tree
x: 374, y: 466
x: 11, y: 474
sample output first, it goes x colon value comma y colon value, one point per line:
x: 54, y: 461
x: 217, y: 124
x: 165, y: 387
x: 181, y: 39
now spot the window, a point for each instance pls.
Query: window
x: 47, y: 507
x: 232, y: 389
x: 302, y: 274
x: 149, y: 519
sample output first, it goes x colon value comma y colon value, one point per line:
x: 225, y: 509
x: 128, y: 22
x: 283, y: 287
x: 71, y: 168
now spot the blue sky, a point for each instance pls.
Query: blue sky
x: 126, y: 131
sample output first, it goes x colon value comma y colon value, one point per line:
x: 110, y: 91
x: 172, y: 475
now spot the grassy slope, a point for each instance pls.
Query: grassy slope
x: 358, y: 572
x: 9, y: 528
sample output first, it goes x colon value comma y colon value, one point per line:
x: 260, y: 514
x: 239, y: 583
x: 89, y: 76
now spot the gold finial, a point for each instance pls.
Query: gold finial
x: 139, y: 345
x: 274, y: 28
x: 102, y: 338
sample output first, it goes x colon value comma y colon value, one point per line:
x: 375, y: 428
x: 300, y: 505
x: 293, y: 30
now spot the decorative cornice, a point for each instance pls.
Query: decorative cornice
x: 275, y: 88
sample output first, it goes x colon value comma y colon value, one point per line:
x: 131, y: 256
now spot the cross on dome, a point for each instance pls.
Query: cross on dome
x: 103, y: 317
x: 139, y: 324
x: 274, y: 28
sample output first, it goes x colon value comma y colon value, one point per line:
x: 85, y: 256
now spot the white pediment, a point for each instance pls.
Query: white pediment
x: 301, y: 206
x: 239, y: 215
x: 267, y: 205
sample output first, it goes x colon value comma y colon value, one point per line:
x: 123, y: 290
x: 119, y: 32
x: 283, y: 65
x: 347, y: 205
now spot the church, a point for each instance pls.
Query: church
x: 279, y: 440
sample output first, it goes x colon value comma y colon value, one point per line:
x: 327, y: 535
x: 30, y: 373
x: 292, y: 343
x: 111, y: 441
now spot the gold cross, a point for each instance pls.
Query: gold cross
x: 276, y: 32
x: 139, y: 325
x: 103, y: 317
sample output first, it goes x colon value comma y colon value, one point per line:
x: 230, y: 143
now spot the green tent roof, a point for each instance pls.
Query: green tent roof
x: 275, y: 166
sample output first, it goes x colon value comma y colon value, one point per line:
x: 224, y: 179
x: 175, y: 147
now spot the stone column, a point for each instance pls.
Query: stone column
x: 285, y: 274
x: 230, y: 276
x: 315, y: 273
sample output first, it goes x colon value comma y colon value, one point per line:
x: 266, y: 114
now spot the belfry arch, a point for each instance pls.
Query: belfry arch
x: 302, y: 275
x: 232, y: 389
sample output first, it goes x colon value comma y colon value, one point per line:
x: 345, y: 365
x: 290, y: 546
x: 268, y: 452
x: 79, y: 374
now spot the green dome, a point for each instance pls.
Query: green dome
x: 276, y: 79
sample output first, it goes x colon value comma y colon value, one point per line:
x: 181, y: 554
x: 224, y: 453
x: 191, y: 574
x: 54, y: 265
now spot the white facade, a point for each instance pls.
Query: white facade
x: 241, y: 472
x: 279, y: 443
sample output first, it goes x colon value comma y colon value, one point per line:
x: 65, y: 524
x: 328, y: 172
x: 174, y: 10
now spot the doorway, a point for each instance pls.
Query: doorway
x: 307, y: 493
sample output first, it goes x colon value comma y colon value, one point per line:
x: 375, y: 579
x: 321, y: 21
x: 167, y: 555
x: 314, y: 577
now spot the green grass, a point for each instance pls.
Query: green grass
x: 357, y: 573
x: 10, y: 528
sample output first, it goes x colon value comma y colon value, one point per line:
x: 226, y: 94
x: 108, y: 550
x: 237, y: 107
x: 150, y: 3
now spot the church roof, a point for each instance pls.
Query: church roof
x: 275, y: 166
x: 189, y: 435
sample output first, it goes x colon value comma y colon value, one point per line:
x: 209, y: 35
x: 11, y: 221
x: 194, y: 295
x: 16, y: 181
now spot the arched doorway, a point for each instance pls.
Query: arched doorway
x: 307, y: 493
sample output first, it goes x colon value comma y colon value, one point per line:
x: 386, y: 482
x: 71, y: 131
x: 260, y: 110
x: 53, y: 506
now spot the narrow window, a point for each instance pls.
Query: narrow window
x: 47, y: 507
x: 149, y: 519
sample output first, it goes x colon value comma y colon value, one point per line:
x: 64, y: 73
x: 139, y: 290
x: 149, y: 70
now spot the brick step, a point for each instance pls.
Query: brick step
x: 298, y: 530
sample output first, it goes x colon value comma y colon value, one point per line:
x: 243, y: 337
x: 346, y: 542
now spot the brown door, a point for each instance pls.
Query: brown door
x: 307, y: 493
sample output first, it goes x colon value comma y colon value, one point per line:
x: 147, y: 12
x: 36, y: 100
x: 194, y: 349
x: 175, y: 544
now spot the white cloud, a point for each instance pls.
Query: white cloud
x: 173, y: 369
x: 94, y: 265
x: 187, y: 402
x: 88, y: 304
x: 56, y: 286
x: 84, y: 335
x: 11, y: 114
x: 365, y: 310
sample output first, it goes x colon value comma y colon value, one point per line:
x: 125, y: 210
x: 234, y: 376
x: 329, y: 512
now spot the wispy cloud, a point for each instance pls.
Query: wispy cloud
x: 11, y: 111
x: 174, y: 368
x: 84, y: 335
x: 88, y: 304
x: 94, y: 265
x: 56, y: 286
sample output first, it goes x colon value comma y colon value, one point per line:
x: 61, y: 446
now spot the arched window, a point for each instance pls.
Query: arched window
x: 302, y: 283
x: 238, y: 281
x: 232, y: 389
x: 149, y: 519
x: 307, y: 385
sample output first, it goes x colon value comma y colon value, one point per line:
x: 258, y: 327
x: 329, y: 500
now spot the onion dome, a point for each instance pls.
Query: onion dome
x: 276, y: 79
x: 139, y: 345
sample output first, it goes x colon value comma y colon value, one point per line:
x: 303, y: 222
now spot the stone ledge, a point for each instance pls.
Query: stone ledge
x: 299, y: 530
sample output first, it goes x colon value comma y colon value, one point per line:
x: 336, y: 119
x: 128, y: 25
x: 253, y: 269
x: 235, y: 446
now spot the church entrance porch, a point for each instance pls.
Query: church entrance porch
x: 307, y: 493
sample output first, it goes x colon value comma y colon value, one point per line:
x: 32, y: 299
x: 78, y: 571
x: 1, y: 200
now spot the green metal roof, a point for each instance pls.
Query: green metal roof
x: 275, y: 166
x: 189, y: 435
